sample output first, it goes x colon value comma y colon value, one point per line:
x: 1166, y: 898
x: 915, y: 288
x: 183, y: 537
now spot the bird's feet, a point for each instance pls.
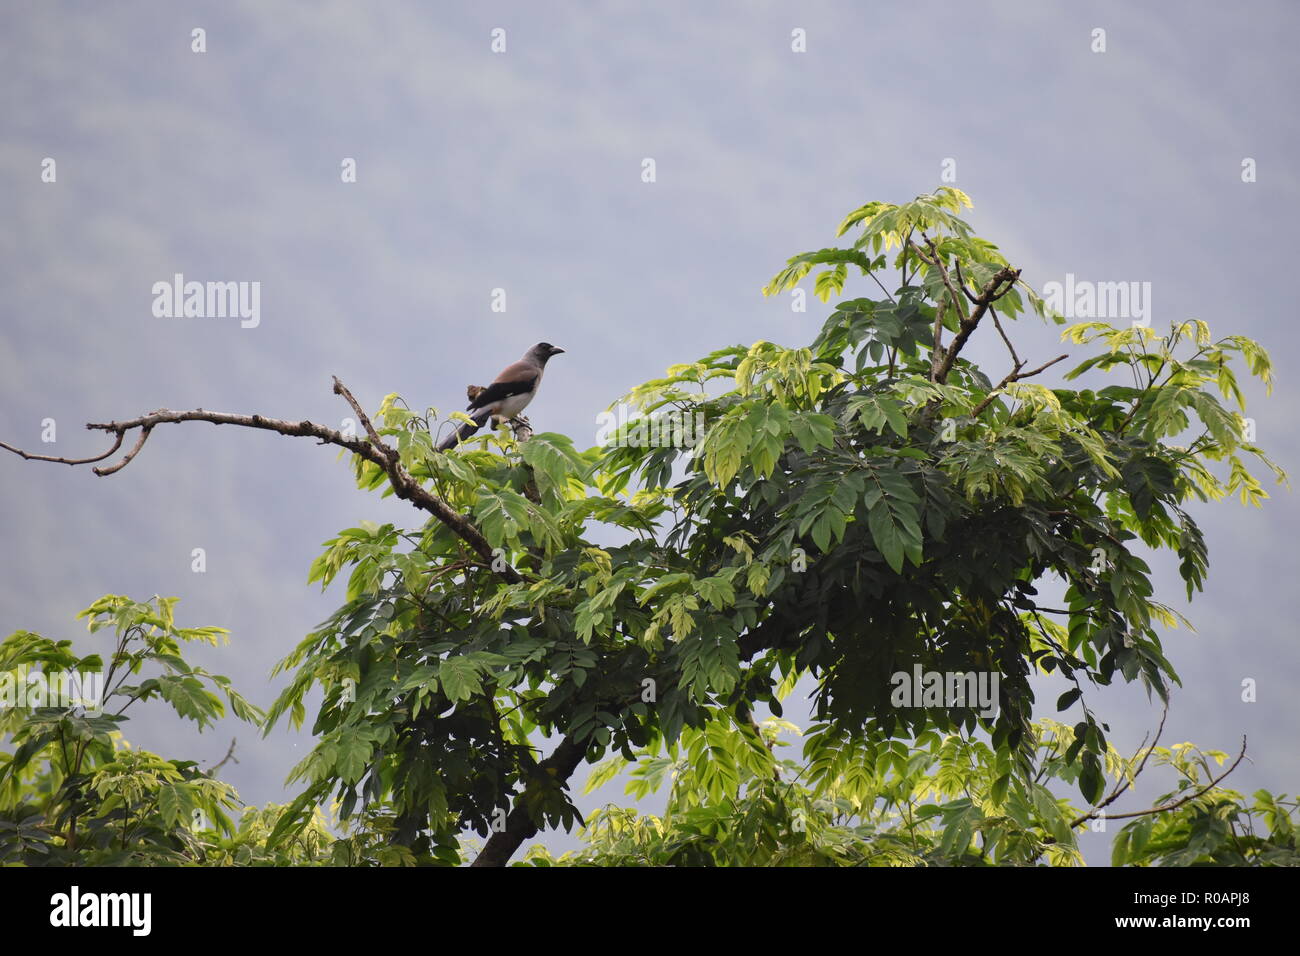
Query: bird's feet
x: 521, y: 428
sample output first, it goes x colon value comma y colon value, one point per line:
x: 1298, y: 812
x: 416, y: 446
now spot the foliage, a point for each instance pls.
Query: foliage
x: 1215, y: 828
x: 732, y: 799
x: 72, y: 790
x: 858, y: 506
x: 945, y: 801
x: 864, y: 505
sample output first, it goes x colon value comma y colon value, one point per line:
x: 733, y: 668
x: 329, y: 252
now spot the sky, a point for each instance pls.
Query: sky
x: 522, y: 170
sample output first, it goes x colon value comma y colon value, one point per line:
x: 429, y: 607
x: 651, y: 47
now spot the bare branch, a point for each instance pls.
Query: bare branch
x: 229, y: 757
x: 375, y: 450
x: 1164, y: 808
x: 1127, y: 782
x: 164, y: 416
x: 383, y: 449
x: 66, y: 461
x: 1015, y: 359
x: 990, y: 294
x: 1014, y: 376
x: 126, y: 459
x: 961, y: 280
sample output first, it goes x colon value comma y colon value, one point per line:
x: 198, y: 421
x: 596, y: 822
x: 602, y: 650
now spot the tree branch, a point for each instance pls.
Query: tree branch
x: 935, y: 260
x: 961, y: 280
x: 1168, y: 806
x: 374, y: 450
x: 1127, y: 782
x: 1015, y: 359
x: 66, y: 461
x: 1013, y: 376
x: 990, y: 294
x: 375, y: 440
x: 561, y: 764
x: 230, y: 756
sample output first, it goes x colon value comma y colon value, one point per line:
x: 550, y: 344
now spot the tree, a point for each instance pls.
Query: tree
x: 869, y: 505
x: 938, y: 802
x: 71, y: 791
x: 74, y: 792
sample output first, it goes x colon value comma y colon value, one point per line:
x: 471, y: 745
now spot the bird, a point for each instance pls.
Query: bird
x: 508, y: 395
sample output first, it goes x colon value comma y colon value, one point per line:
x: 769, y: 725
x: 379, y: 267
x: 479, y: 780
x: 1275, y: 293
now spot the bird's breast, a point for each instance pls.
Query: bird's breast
x: 512, y: 406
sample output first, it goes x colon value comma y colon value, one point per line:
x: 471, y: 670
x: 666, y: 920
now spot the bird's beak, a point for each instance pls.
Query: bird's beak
x: 556, y: 351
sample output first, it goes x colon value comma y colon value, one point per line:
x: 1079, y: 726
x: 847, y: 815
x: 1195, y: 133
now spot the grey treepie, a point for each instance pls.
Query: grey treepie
x: 508, y: 395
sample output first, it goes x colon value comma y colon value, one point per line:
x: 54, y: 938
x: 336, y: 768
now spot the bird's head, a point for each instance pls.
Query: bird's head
x: 543, y: 351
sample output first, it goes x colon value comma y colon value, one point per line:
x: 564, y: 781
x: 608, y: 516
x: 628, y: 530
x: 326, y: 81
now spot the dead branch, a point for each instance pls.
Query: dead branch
x: 229, y: 757
x: 66, y: 461
x: 991, y: 292
x: 1127, y: 782
x: 1164, y: 808
x: 1014, y: 375
x: 1015, y: 359
x: 374, y: 450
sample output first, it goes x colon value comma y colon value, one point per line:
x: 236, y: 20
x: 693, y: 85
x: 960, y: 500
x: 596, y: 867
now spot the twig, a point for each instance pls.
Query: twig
x: 1013, y: 376
x: 937, y: 262
x: 126, y: 459
x: 990, y: 294
x: 961, y: 280
x: 1015, y: 359
x: 66, y: 461
x: 374, y: 450
x: 877, y: 281
x: 1191, y: 796
x: 1165, y: 808
x: 384, y: 451
x: 937, y: 352
x: 230, y: 756
x: 1127, y: 782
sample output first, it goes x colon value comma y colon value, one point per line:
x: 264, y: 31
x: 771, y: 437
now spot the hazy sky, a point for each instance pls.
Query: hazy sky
x: 522, y: 170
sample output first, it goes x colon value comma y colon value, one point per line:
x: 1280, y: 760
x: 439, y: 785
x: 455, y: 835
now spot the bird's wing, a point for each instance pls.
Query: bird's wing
x: 515, y: 379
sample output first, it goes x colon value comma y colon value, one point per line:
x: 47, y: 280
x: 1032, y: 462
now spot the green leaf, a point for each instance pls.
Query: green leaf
x: 892, y: 517
x: 1146, y: 479
x: 459, y: 678
x: 189, y: 698
x: 875, y: 411
x: 352, y: 756
x: 1091, y: 780
x: 812, y: 430
x: 1069, y: 697
x: 554, y: 461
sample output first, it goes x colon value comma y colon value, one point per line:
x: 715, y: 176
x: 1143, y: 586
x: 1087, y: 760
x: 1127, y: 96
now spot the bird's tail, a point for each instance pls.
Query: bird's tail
x: 465, y: 430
